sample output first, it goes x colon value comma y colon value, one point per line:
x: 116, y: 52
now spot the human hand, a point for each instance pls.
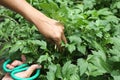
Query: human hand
x: 52, y: 30
x: 24, y: 74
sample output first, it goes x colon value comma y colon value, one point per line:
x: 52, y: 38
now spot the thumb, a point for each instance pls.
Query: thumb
x: 23, y: 58
x: 31, y: 69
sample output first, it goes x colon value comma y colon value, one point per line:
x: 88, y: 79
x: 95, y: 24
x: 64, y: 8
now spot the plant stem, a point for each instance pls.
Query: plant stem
x: 10, y: 18
x: 88, y: 77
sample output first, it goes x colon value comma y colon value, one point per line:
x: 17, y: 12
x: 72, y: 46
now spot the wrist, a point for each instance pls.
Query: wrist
x: 38, y: 17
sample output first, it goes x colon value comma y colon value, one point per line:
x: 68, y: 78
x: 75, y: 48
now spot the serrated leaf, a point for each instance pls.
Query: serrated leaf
x: 99, y: 34
x: 58, y: 72
x: 29, y: 59
x: 52, y: 72
x: 75, y: 39
x: 6, y: 46
x: 71, y: 48
x: 43, y: 58
x: 52, y: 68
x: 115, y: 58
x: 116, y: 77
x: 88, y: 4
x: 112, y: 18
x: 101, y: 65
x: 118, y: 5
x: 97, y: 46
x: 68, y: 69
x: 81, y: 49
x: 83, y: 66
x: 42, y: 44
x: 104, y: 11
x: 26, y: 50
x: 93, y: 70
x: 115, y: 74
x: 50, y: 75
x: 50, y: 7
x: 74, y: 77
x: 18, y: 45
x: 100, y: 54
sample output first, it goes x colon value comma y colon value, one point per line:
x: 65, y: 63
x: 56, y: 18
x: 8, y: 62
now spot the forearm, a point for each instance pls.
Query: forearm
x: 25, y: 9
x: 50, y: 28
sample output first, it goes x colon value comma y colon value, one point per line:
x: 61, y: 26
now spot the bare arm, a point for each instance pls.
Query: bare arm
x: 24, y: 8
x: 50, y: 28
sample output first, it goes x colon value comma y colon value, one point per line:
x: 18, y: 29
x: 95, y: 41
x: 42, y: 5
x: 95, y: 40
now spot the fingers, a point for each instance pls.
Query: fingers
x: 64, y: 38
x: 28, y: 72
x: 10, y: 66
x: 31, y: 69
x: 7, y: 77
x: 58, y: 40
x: 58, y: 43
x: 14, y: 64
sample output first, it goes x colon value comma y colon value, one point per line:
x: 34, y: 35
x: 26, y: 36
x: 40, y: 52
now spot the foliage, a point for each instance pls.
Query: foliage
x: 92, y: 28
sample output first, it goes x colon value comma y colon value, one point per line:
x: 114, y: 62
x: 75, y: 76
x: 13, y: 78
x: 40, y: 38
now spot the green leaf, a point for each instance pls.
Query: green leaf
x: 58, y: 71
x: 83, y: 66
x: 81, y: 49
x: 74, y: 77
x: 100, y: 54
x: 116, y: 77
x: 50, y: 7
x: 89, y: 4
x: 99, y: 34
x: 115, y: 74
x: 93, y: 70
x: 97, y: 45
x: 26, y: 50
x: 115, y: 58
x: 68, y: 69
x: 71, y: 48
x: 118, y: 5
x: 45, y: 6
x: 43, y: 58
x: 52, y: 67
x: 42, y: 44
x: 6, y: 46
x: 104, y: 11
x: 100, y: 64
x: 115, y: 49
x: 50, y: 75
x: 112, y: 18
x: 18, y: 45
x: 54, y: 71
x: 16, y: 54
x: 29, y: 59
x: 75, y: 39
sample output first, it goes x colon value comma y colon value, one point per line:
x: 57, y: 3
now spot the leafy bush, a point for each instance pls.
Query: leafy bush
x: 92, y: 28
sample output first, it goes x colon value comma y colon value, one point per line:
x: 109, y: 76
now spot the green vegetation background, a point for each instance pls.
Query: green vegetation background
x: 92, y: 28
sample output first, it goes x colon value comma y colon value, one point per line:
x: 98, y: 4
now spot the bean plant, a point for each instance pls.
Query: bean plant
x: 92, y: 29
